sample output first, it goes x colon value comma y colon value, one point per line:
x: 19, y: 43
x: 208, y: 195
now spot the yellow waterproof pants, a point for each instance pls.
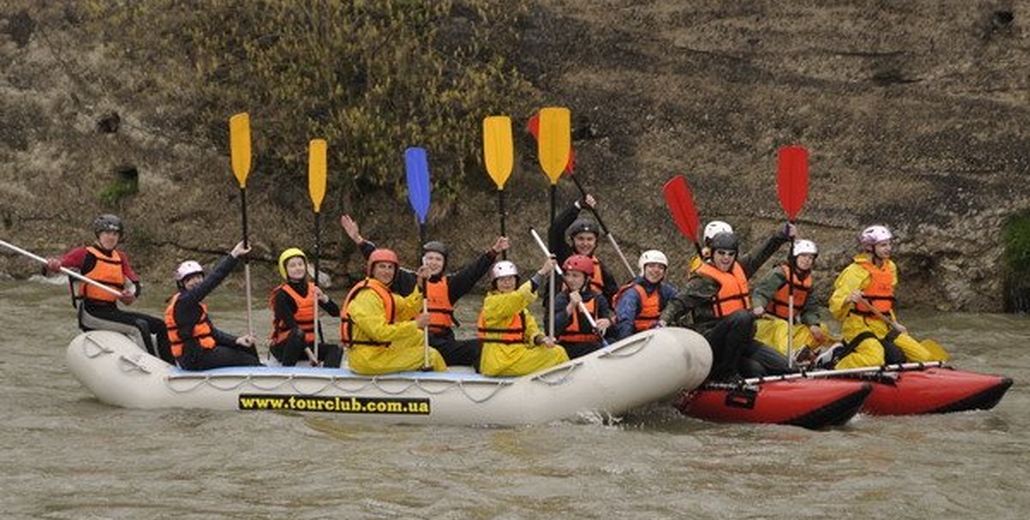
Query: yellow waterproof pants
x: 501, y: 359
x: 372, y: 360
x: 773, y: 332
x: 869, y: 353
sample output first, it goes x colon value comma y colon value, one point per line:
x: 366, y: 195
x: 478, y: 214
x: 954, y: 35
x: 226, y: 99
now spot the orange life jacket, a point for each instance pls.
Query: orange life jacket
x: 346, y: 324
x: 201, y: 330
x: 780, y: 303
x: 441, y: 310
x: 597, y: 279
x: 108, y: 271
x: 734, y: 293
x: 650, y: 305
x: 304, y: 315
x: 574, y: 333
x: 880, y: 291
x: 513, y: 334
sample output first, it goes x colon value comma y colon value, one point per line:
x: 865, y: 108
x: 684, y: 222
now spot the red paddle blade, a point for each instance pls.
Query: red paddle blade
x: 681, y: 205
x: 792, y: 179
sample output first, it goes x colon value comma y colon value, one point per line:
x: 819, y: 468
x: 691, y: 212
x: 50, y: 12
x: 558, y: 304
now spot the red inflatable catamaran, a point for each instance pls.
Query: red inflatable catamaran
x: 824, y: 398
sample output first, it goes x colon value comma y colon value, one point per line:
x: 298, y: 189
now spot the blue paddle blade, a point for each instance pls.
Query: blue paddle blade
x: 417, y: 168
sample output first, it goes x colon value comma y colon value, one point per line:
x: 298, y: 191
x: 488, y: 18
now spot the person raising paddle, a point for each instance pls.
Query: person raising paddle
x: 383, y: 330
x: 583, y: 236
x: 293, y: 314
x: 717, y: 298
x: 443, y: 290
x: 770, y: 300
x: 863, y: 301
x: 513, y: 344
x: 98, y: 309
x: 572, y: 327
x: 196, y: 343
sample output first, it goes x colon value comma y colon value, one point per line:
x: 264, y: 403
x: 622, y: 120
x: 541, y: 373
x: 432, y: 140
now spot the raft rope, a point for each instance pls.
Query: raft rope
x: 617, y: 352
x: 302, y: 384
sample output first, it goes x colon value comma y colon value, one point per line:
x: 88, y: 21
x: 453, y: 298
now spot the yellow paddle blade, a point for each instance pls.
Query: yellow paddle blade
x: 555, y: 141
x: 935, y: 349
x: 239, y: 146
x: 498, y: 150
x: 317, y: 172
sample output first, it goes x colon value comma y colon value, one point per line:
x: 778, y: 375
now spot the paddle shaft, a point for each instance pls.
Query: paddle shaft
x: 899, y: 367
x: 64, y: 270
x: 582, y: 306
x: 876, y: 312
x: 790, y: 305
x: 604, y: 229
x: 246, y: 262
x: 318, y: 240
x: 500, y: 206
x: 425, y: 337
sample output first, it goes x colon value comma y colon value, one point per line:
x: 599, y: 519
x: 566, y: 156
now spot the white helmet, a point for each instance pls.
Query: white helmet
x: 187, y: 268
x: 873, y: 235
x: 652, y: 256
x: 805, y: 247
x: 504, y: 268
x: 715, y: 227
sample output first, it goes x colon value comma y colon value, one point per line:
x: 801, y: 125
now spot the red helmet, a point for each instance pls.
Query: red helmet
x: 583, y: 264
x: 380, y: 255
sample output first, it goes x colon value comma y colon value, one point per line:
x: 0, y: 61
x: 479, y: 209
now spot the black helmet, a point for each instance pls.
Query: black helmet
x: 108, y: 222
x: 436, y: 247
x: 724, y: 241
x: 583, y: 226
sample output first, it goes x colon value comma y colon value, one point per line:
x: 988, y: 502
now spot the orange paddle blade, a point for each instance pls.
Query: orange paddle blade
x: 555, y: 141
x: 239, y: 146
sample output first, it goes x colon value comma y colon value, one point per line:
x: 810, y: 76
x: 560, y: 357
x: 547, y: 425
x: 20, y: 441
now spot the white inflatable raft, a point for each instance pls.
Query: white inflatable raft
x: 638, y: 370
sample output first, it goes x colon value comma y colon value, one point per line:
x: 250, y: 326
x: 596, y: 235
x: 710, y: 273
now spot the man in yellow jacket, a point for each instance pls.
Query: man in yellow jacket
x: 863, y: 295
x: 513, y: 344
x: 386, y: 332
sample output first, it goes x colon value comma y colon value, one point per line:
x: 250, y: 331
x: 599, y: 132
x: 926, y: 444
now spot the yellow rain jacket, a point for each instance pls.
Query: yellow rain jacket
x: 406, y: 350
x: 513, y: 359
x: 870, y: 351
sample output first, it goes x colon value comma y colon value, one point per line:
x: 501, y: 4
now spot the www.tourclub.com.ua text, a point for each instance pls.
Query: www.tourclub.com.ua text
x: 335, y: 404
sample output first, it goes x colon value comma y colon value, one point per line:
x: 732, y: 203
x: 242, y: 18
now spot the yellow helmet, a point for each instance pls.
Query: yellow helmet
x: 286, y: 255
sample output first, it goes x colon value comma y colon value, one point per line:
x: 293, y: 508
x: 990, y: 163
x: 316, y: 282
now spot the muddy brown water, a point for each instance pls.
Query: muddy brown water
x: 67, y: 456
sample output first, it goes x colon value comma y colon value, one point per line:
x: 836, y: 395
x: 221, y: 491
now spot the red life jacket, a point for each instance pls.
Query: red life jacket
x: 108, y: 271
x: 347, y: 325
x: 779, y: 305
x: 734, y: 292
x: 201, y: 330
x: 304, y: 315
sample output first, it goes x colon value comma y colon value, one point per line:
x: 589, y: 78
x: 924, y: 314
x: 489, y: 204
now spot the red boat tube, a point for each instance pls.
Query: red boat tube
x: 931, y: 390
x: 807, y: 402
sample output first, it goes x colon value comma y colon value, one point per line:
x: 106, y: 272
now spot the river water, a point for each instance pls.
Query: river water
x: 66, y: 456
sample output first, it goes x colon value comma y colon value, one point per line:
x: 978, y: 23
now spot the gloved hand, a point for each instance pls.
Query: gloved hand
x: 53, y: 265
